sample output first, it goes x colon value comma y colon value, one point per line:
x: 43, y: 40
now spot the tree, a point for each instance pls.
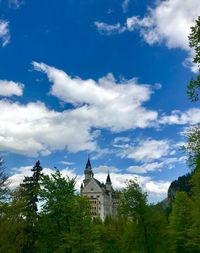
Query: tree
x: 194, y: 42
x: 3, y: 182
x: 192, y: 148
x: 194, y: 232
x: 57, y: 196
x: 28, y: 195
x: 180, y: 223
x: 134, y: 205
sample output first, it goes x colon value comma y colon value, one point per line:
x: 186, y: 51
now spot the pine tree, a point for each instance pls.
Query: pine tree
x: 180, y: 223
x: 28, y: 195
x: 3, y: 182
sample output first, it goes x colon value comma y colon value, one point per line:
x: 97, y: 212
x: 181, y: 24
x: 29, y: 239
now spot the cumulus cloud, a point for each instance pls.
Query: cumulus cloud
x: 189, y: 117
x: 18, y: 175
x: 104, y: 103
x: 4, y: 32
x: 146, y: 150
x: 169, y: 163
x: 33, y: 129
x: 109, y: 29
x: 157, y: 190
x: 10, y: 88
x: 169, y: 23
x: 105, y: 169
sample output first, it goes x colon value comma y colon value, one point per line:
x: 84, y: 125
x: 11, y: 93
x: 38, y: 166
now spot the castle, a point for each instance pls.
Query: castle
x: 101, y: 196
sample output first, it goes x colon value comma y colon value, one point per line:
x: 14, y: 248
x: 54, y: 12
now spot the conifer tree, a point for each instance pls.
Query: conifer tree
x: 28, y: 195
x: 3, y: 182
x: 180, y: 223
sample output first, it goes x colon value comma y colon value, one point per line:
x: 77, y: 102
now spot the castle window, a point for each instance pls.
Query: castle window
x: 91, y: 189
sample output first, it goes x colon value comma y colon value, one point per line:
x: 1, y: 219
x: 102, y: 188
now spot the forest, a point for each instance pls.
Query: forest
x: 46, y: 215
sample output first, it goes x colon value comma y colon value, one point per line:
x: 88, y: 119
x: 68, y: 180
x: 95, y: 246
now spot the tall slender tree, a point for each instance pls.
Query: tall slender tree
x: 28, y: 195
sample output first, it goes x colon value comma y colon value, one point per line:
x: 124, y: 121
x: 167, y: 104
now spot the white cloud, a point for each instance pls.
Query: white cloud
x: 109, y: 29
x: 125, y: 5
x: 121, y: 140
x: 10, y: 88
x: 146, y: 150
x: 157, y: 187
x: 169, y: 22
x: 105, y: 169
x: 19, y: 173
x: 66, y: 163
x: 33, y: 129
x: 157, y: 190
x: 168, y: 163
x: 104, y: 103
x: 4, y: 32
x: 191, y: 117
x: 145, y: 167
x: 15, y: 3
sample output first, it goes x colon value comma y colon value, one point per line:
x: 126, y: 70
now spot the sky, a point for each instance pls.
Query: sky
x: 100, y: 78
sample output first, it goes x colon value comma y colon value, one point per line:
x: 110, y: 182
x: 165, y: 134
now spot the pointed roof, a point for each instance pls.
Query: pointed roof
x: 88, y: 165
x: 108, y: 180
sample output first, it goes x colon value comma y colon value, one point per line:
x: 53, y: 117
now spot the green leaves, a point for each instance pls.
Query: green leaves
x: 194, y: 42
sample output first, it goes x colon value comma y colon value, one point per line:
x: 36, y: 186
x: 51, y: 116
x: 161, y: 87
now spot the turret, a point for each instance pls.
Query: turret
x: 88, y: 172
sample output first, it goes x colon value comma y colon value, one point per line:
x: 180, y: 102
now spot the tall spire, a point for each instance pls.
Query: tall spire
x: 108, y: 180
x: 88, y: 171
x: 88, y: 164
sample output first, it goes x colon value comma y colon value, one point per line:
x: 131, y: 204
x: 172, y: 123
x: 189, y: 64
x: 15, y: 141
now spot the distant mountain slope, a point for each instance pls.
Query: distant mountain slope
x: 181, y: 184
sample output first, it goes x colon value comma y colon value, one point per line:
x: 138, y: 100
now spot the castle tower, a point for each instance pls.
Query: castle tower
x: 88, y: 172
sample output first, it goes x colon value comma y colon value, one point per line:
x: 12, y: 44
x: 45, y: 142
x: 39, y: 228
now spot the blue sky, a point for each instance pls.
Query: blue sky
x: 101, y: 78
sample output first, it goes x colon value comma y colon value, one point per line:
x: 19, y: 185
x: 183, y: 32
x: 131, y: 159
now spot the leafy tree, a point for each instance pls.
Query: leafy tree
x: 57, y: 196
x: 134, y: 205
x: 13, y: 225
x: 109, y: 234
x: 194, y: 42
x: 192, y: 148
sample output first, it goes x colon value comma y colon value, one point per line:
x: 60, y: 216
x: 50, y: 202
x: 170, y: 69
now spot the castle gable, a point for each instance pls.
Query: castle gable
x: 92, y: 186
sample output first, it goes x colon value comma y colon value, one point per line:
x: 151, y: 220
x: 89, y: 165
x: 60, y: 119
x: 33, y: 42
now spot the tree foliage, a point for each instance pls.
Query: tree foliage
x: 194, y: 42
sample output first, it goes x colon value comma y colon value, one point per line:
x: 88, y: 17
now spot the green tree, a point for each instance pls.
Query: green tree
x: 57, y: 195
x: 65, y: 221
x: 194, y: 42
x: 180, y: 223
x: 194, y: 232
x: 109, y: 234
x: 134, y: 206
x: 28, y: 196
x: 4, y: 192
x: 192, y: 148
